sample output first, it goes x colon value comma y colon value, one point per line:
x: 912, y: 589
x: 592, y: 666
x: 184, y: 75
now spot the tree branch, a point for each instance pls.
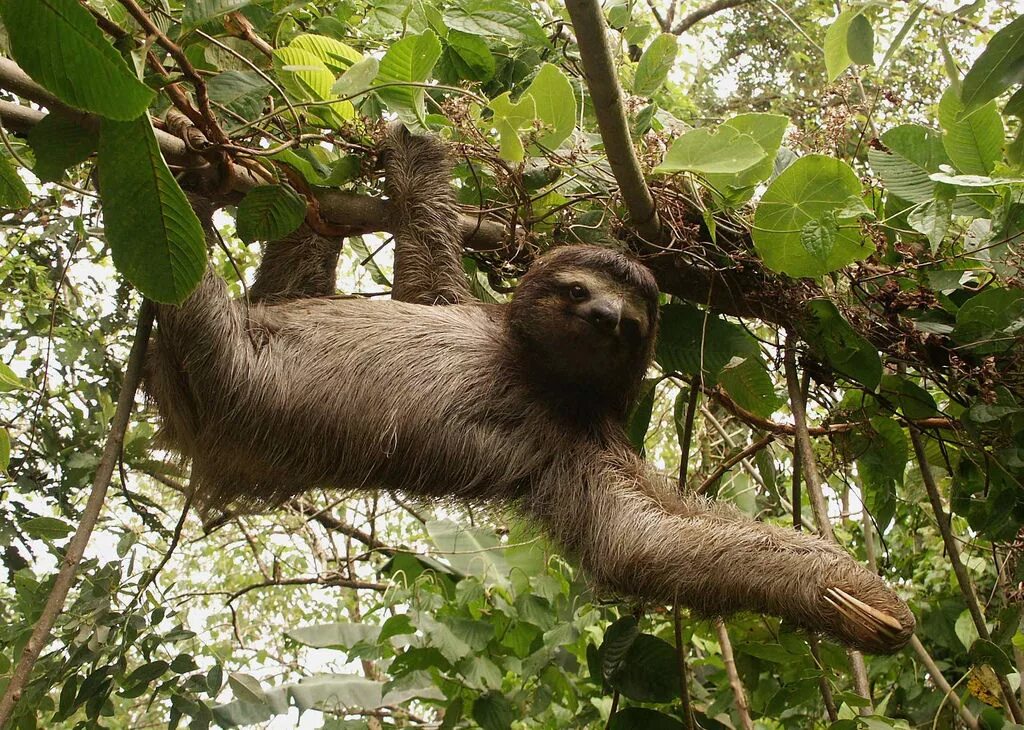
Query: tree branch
x: 76, y: 546
x: 691, y: 19
x: 606, y: 94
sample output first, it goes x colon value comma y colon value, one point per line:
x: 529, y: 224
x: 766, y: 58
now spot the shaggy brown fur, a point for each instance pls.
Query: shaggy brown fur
x: 521, y: 404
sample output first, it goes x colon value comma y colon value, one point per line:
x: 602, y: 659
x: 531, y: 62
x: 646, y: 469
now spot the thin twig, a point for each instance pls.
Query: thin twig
x: 684, y: 682
x: 742, y: 708
x: 813, y: 479
x: 76, y: 546
x: 959, y: 569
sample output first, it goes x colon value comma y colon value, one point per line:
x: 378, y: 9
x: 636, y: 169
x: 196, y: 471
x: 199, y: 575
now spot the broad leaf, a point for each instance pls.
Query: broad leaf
x: 797, y: 228
x: 974, y: 143
x: 13, y: 191
x: 334, y: 636
x: 357, y: 78
x: 642, y: 718
x: 336, y: 55
x: 198, y: 12
x: 86, y: 73
x: 154, y: 236
x: 269, y: 212
x: 467, y: 56
x: 502, y: 19
x: 508, y: 119
x: 723, y: 151
x: 46, y: 528
x: 1000, y: 66
x: 409, y: 60
x: 5, y: 449
x: 835, y: 341
x: 654, y: 65
x: 880, y: 449
x: 860, y: 41
x: 307, y: 78
x: 58, y: 143
x: 991, y: 322
x: 837, y: 55
x: 554, y: 104
x: 767, y: 130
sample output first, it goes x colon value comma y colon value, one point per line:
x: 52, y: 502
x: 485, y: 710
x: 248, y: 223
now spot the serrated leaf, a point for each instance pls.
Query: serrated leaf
x: 468, y: 56
x: 13, y: 191
x: 655, y: 63
x: 500, y: 19
x: 554, y: 104
x: 804, y: 193
x: 155, y: 238
x: 46, y: 528
x: 974, y: 143
x: 198, y: 12
x: 704, y: 151
x: 269, y: 213
x: 59, y: 143
x: 87, y: 73
x: 1000, y: 66
x: 411, y: 59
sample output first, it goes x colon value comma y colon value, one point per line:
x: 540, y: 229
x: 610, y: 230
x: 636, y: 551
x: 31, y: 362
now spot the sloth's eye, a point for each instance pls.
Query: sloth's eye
x: 577, y: 293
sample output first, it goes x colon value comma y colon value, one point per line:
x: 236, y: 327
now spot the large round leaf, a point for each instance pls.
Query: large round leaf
x: 806, y: 223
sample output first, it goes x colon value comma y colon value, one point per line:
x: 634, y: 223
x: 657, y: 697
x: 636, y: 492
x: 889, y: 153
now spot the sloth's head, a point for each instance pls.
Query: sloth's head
x: 584, y: 319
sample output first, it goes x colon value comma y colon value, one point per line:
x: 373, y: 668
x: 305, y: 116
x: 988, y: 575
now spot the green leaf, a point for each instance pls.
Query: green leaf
x: 155, y: 238
x: 508, y: 119
x: 649, y: 671
x: 5, y: 449
x: 146, y: 673
x: 803, y: 194
x: 409, y: 60
x: 13, y: 191
x: 696, y: 342
x: 502, y: 19
x: 836, y: 343
x: 642, y: 718
x: 306, y: 77
x: 269, y: 212
x: 357, y: 78
x: 59, y: 143
x: 860, y: 41
x: 1000, y: 66
x: 198, y: 12
x: 8, y: 380
x: 748, y: 383
x: 46, y: 528
x: 902, y: 34
x: 654, y: 65
x: 246, y: 687
x: 555, y: 105
x: 58, y: 44
x: 766, y: 130
x: 703, y: 151
x: 334, y: 636
x: 913, y: 401
x: 640, y: 415
x: 242, y: 92
x: 974, y: 143
x: 881, y: 452
x: 991, y: 322
x: 471, y: 551
x: 837, y: 55
x: 493, y: 711
x: 468, y: 56
x: 934, y: 217
x: 335, y: 55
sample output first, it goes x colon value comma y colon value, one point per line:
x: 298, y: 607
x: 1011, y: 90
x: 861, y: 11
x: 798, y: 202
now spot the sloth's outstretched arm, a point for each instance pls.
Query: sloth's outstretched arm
x: 302, y: 264
x: 634, y: 536
x: 428, y: 240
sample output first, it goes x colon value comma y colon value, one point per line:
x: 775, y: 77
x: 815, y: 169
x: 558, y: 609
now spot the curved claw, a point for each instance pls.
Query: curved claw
x: 867, y: 617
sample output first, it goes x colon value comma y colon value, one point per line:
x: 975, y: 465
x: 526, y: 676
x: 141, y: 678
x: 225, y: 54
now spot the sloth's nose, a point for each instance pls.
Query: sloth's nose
x: 604, y: 315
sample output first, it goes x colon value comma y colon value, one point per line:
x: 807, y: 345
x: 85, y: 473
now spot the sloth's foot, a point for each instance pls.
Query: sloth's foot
x: 873, y: 629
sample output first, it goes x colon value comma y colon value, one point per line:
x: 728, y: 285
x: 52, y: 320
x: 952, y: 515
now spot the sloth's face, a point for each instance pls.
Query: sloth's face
x: 586, y: 318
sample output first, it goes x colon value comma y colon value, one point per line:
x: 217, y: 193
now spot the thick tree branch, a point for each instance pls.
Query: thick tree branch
x: 76, y: 546
x: 691, y: 19
x: 605, y: 92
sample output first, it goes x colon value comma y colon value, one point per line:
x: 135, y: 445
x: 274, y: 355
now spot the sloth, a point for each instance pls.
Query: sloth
x: 435, y: 396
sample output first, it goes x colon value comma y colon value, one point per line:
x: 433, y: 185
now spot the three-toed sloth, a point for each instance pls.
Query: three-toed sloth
x: 521, y: 404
